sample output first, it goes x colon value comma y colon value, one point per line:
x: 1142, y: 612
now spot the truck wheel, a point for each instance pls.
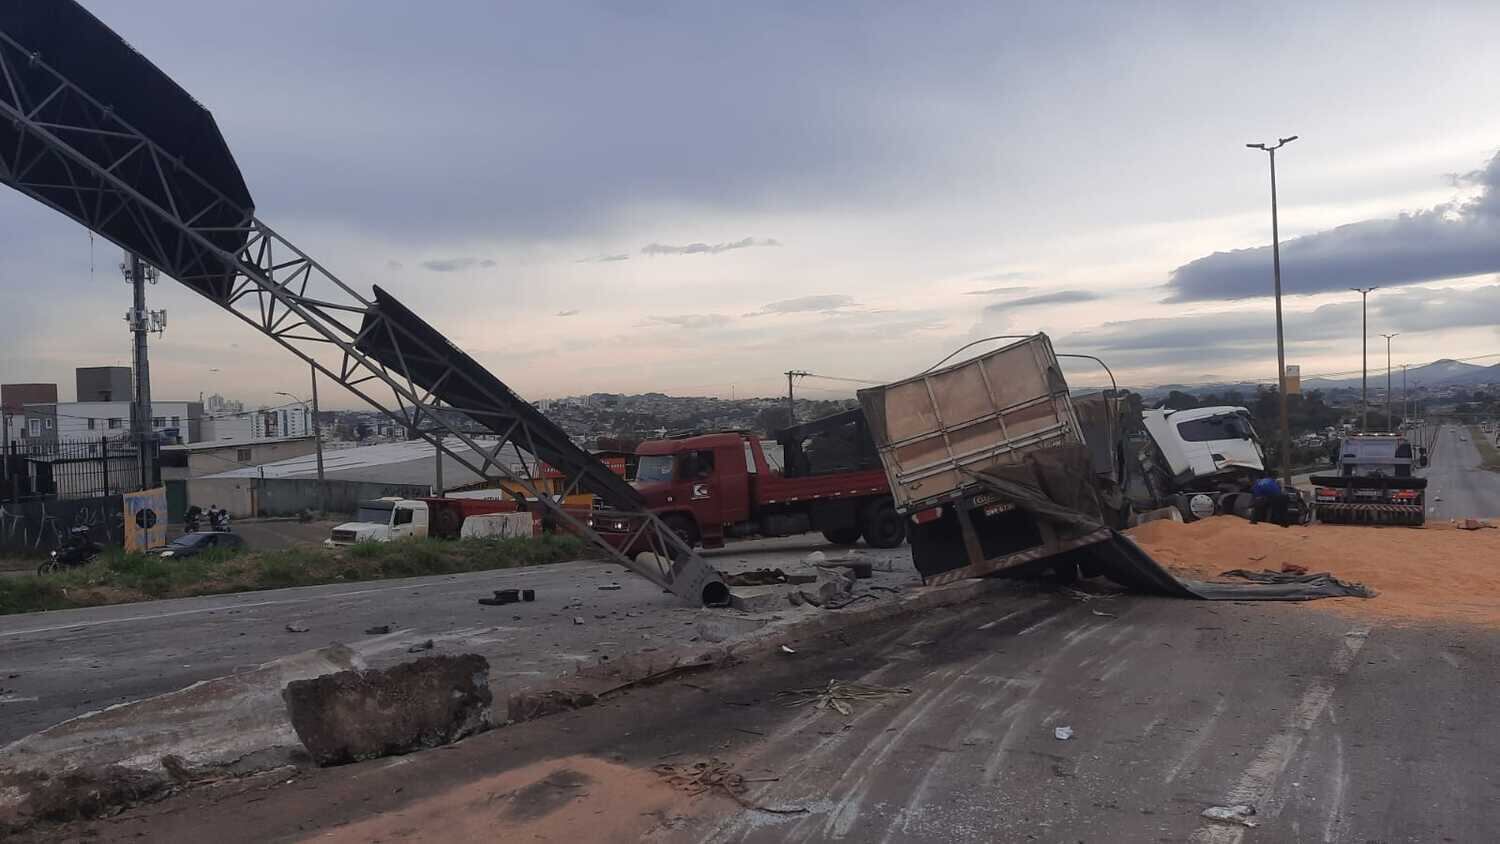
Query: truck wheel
x: 842, y: 536
x: 884, y: 527
x: 684, y: 527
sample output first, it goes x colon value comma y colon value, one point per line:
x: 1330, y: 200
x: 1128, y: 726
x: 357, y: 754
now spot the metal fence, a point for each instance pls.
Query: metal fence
x: 36, y: 470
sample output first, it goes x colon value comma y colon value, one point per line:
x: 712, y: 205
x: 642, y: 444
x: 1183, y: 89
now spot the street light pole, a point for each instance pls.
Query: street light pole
x: 1389, y: 423
x: 1364, y: 357
x: 1405, y: 408
x: 317, y: 438
x: 1286, y: 436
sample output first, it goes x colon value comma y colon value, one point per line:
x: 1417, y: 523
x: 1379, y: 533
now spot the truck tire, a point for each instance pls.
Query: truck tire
x: 842, y: 535
x: 684, y: 527
x: 883, y: 526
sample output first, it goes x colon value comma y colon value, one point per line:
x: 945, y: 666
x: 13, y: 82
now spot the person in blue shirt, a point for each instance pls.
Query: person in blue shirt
x: 1268, y: 499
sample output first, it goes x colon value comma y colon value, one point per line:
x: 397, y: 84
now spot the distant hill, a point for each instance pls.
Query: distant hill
x: 1441, y: 373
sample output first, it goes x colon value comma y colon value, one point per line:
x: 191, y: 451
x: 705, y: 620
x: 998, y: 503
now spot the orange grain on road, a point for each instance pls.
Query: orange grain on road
x: 1436, y: 573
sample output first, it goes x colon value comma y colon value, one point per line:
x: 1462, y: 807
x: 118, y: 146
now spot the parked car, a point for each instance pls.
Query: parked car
x: 192, y: 544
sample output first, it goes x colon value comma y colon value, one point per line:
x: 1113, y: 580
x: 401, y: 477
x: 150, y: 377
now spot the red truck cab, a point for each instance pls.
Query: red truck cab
x: 710, y: 487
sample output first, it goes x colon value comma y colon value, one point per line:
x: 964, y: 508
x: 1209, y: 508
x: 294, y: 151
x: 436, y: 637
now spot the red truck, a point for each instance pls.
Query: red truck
x: 710, y: 487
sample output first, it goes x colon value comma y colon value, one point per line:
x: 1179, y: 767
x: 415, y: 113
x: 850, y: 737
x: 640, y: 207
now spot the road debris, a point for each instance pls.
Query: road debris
x: 1062, y: 733
x: 609, y: 587
x: 419, y: 647
x: 1471, y: 524
x: 378, y: 630
x: 1292, y: 568
x: 528, y: 594
x: 768, y: 577
x: 837, y: 695
x: 1104, y: 614
x: 716, y: 776
x: 1238, y: 814
x: 502, y: 597
x: 578, y: 619
x: 787, y: 650
x: 423, y: 703
x: 297, y: 627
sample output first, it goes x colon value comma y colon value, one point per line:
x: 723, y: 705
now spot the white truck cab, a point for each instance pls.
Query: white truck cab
x: 382, y: 520
x: 1205, y: 441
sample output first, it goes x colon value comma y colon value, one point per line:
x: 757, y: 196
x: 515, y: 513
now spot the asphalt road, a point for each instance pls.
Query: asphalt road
x: 1332, y: 729
x: 61, y: 664
x: 1457, y: 486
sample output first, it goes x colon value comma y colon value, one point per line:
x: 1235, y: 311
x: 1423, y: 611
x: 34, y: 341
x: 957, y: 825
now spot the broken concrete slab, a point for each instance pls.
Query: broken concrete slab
x: 355, y: 715
x: 757, y: 598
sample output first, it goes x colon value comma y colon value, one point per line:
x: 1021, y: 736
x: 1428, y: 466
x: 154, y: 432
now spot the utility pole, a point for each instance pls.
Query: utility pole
x: 1405, y: 409
x: 1286, y: 435
x: 1389, y: 422
x: 317, y: 427
x: 791, y: 410
x: 142, y: 321
x: 1364, y: 357
x: 317, y: 436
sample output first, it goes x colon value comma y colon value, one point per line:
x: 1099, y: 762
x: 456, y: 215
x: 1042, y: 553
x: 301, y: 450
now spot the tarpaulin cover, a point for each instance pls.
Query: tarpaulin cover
x: 1057, y: 486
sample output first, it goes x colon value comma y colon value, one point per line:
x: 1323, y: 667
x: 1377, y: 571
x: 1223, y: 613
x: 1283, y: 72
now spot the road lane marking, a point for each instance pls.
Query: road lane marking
x: 1258, y: 782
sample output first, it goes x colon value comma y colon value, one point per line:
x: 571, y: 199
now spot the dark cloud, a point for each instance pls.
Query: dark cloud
x: 1060, y: 297
x: 691, y: 321
x: 574, y: 312
x: 603, y: 259
x: 1192, y: 342
x: 453, y: 265
x: 706, y: 248
x: 1449, y: 241
x: 806, y: 304
x: 998, y: 291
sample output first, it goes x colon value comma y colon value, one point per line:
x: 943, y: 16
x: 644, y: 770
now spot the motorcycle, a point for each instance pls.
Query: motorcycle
x: 78, y: 550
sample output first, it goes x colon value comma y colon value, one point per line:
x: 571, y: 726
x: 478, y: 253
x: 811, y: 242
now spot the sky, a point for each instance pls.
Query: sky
x: 692, y: 198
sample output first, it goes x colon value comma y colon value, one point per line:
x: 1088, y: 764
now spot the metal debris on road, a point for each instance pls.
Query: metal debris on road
x: 378, y: 630
x: 609, y: 587
x: 717, y: 776
x: 1237, y: 814
x: 297, y: 627
x: 837, y: 695
x: 577, y: 619
x: 1062, y: 733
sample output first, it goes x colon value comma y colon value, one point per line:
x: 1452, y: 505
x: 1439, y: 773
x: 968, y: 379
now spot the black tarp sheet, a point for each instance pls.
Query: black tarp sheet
x: 1057, y: 485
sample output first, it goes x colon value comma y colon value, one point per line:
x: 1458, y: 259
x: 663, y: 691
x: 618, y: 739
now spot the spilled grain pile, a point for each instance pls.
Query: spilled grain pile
x: 1436, y: 573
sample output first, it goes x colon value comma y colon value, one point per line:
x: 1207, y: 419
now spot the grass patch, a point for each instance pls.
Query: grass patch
x: 117, y: 577
x: 1489, y: 455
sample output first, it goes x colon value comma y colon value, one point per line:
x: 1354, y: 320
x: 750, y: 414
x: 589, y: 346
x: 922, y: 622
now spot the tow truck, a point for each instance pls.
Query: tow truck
x: 1374, y: 483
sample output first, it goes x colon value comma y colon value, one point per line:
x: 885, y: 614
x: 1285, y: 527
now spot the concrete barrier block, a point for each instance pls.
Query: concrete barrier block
x: 354, y: 715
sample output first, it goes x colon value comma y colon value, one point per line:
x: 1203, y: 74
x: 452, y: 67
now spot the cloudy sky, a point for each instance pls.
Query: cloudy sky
x: 692, y: 197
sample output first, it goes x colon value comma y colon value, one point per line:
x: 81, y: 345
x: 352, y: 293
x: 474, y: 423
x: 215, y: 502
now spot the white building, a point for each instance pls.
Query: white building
x: 92, y: 419
x: 271, y: 423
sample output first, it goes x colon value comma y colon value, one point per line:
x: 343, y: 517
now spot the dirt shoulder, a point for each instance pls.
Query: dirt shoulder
x: 1435, y: 573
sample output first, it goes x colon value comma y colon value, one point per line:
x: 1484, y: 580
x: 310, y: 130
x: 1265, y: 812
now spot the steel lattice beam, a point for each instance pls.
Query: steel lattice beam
x: 69, y: 151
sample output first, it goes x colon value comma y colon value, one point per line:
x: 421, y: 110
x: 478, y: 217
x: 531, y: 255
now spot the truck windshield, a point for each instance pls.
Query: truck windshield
x: 379, y: 514
x: 1224, y: 426
x: 654, y: 468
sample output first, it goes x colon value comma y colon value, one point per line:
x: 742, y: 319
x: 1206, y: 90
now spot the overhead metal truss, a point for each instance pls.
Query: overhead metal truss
x: 73, y: 153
